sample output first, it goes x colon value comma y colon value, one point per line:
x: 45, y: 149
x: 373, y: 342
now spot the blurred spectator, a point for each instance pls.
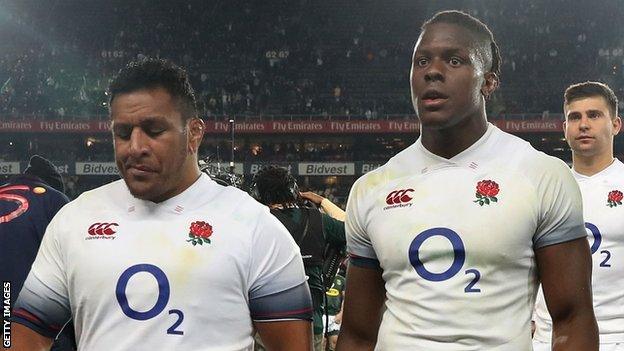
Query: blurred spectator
x: 27, y: 204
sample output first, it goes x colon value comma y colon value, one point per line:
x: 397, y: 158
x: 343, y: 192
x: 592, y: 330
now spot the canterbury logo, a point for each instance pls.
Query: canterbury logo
x: 399, y: 196
x: 102, y: 228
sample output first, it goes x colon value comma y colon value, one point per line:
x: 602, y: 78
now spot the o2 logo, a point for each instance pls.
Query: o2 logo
x: 161, y: 302
x: 596, y: 245
x: 21, y: 201
x: 459, y: 257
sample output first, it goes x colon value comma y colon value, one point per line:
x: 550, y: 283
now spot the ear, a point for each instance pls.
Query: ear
x: 490, y: 84
x: 195, y: 132
x: 617, y: 125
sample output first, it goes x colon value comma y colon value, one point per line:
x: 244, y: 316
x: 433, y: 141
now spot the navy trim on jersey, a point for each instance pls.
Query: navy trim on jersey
x: 294, y: 303
x: 31, y: 321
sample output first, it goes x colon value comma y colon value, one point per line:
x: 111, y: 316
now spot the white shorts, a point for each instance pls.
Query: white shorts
x: 333, y: 326
x: 544, y: 346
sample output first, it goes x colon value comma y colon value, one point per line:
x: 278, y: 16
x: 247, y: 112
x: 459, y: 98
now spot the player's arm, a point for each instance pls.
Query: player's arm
x: 364, y: 298
x: 286, y: 335
x: 563, y: 257
x: 329, y: 207
x: 279, y: 297
x: 565, y: 273
x: 26, y: 339
x: 365, y: 288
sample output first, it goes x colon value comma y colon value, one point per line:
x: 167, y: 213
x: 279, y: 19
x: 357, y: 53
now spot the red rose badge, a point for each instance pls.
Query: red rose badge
x: 199, y: 233
x: 615, y: 198
x: 486, y: 192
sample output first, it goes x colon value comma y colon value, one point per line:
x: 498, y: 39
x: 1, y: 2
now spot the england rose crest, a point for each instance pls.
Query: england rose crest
x: 199, y: 233
x: 486, y: 192
x: 615, y: 198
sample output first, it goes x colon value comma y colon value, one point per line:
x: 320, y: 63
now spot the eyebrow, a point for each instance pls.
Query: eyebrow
x: 448, y: 50
x: 576, y: 114
x: 595, y: 111
x: 145, y: 121
x: 586, y: 111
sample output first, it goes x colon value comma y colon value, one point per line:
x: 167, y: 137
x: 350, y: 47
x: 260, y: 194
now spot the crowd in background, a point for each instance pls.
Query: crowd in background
x: 340, y: 58
x: 294, y: 58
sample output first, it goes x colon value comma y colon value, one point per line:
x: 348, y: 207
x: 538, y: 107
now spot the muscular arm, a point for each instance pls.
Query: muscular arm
x: 364, y: 298
x: 565, y: 273
x: 26, y: 339
x: 286, y: 335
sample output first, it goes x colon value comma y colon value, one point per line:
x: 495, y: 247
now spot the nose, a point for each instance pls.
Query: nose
x: 139, y: 143
x: 584, y: 123
x: 435, y: 71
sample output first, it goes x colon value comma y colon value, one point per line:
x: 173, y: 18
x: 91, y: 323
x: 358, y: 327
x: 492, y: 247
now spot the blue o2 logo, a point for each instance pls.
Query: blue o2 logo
x: 459, y: 257
x: 161, y: 301
x: 593, y: 229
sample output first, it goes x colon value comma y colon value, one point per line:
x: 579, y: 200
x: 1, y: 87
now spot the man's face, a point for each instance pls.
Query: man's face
x: 152, y: 145
x: 447, y: 76
x: 589, y: 127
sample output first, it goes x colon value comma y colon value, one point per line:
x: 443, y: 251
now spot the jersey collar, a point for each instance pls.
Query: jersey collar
x: 614, y: 169
x: 468, y: 157
x: 178, y: 204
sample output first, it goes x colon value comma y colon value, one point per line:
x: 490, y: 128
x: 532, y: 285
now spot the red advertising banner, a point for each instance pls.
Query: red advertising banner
x: 57, y: 126
x: 282, y: 127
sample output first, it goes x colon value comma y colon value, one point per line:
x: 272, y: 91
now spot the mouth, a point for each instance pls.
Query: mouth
x: 432, y: 99
x: 584, y: 138
x: 139, y: 170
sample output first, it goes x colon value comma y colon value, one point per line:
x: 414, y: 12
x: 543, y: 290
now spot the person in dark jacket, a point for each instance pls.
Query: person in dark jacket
x: 314, y: 231
x: 28, y: 202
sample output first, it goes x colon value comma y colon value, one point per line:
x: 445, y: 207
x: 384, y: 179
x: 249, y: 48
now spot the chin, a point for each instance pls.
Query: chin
x: 140, y: 191
x: 432, y: 120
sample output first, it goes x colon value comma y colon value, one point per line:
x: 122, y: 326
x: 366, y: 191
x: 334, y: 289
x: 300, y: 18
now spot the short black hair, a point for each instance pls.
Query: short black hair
x: 475, y: 26
x: 275, y: 185
x: 152, y: 73
x: 591, y: 89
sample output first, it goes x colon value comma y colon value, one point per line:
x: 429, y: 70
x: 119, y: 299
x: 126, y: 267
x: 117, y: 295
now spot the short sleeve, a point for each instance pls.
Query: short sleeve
x: 561, y: 208
x: 43, y: 303
x: 276, y: 264
x: 278, y: 288
x: 358, y: 241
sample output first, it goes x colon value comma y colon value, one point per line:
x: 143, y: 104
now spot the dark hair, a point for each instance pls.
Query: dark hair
x: 474, y: 25
x: 151, y: 73
x: 275, y: 185
x: 46, y: 171
x: 592, y: 89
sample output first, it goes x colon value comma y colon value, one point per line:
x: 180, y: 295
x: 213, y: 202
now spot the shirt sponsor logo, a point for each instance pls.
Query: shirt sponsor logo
x: 399, y: 198
x: 102, y: 231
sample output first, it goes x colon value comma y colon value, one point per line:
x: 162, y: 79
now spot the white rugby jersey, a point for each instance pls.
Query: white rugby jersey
x: 136, y: 276
x: 604, y: 222
x: 455, y: 239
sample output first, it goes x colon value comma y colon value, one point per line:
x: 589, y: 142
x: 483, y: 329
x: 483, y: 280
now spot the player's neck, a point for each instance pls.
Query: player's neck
x: 590, y: 165
x: 448, y: 142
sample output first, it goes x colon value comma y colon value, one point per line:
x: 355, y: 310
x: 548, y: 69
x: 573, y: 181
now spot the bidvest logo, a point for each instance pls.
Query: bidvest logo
x: 102, y: 231
x: 399, y: 198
